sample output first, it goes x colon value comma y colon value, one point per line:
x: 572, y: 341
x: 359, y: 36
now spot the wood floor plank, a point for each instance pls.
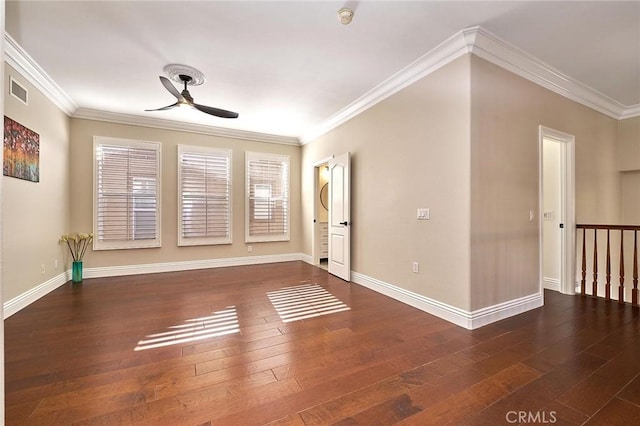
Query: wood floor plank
x: 317, y: 395
x: 596, y: 390
x: 460, y: 405
x: 616, y: 412
x: 539, y: 393
x: 355, y: 402
x: 564, y: 414
x: 631, y: 392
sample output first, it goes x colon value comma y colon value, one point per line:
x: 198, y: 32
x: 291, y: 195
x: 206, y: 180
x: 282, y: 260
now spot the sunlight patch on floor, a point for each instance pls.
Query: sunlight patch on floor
x: 304, y: 301
x: 221, y: 323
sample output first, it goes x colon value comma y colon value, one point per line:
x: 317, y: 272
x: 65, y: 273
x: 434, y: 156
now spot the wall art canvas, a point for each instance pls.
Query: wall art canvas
x: 21, y: 151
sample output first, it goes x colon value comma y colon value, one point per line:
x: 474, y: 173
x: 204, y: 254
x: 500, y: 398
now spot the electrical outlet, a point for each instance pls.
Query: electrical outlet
x: 249, y: 249
x: 416, y: 267
x: 43, y: 269
x: 423, y: 214
x: 55, y: 264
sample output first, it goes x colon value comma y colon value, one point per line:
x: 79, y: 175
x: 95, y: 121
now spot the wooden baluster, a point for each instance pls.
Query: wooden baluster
x: 621, y: 287
x: 607, y: 287
x: 634, y: 292
x: 594, y: 287
x: 583, y: 282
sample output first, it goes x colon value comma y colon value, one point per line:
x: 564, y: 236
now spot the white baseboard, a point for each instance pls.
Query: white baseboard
x: 28, y: 297
x: 551, y: 283
x: 25, y: 299
x: 306, y: 258
x: 153, y: 268
x: 466, y: 319
x: 491, y: 314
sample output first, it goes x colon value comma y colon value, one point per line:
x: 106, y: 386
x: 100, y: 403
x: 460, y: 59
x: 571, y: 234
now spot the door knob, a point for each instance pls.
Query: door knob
x: 345, y: 223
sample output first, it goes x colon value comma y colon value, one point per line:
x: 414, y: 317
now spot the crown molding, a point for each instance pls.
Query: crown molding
x: 631, y: 112
x: 447, y: 51
x: 473, y: 40
x: 158, y: 123
x: 490, y: 47
x: 20, y: 60
x: 482, y: 43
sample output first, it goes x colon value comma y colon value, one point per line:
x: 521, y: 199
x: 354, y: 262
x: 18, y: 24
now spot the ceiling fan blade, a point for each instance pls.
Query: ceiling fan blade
x: 170, y: 87
x: 164, y: 108
x: 215, y: 111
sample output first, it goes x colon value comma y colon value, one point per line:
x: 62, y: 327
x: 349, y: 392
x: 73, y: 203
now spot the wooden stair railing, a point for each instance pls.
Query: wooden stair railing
x: 621, y: 289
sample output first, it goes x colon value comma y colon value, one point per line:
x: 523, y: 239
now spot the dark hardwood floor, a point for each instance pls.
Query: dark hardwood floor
x: 208, y: 347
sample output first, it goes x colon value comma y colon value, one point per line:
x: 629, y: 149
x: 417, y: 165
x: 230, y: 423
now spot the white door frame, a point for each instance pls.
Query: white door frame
x: 315, y: 255
x: 567, y: 183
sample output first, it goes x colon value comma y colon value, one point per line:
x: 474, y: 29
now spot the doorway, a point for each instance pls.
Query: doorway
x: 557, y: 210
x: 552, y: 214
x: 320, y: 244
x: 321, y: 215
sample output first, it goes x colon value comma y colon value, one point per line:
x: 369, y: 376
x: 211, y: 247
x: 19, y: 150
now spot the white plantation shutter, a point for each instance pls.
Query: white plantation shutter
x: 204, y: 185
x: 126, y: 194
x: 267, y: 201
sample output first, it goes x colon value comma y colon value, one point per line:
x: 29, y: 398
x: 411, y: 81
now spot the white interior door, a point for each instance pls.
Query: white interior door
x: 340, y: 216
x: 553, y: 215
x: 566, y: 211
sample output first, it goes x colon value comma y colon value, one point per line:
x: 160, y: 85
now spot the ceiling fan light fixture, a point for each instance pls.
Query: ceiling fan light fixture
x: 186, y: 76
x: 345, y: 15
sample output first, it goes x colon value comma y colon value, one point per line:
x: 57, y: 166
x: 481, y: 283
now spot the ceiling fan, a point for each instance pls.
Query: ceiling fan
x: 185, y: 98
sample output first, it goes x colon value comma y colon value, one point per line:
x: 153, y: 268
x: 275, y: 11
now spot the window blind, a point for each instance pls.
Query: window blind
x: 267, y: 204
x: 204, y: 184
x: 127, y: 188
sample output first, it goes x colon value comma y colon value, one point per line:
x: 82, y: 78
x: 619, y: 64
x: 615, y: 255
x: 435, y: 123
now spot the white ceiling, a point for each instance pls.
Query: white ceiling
x: 287, y: 67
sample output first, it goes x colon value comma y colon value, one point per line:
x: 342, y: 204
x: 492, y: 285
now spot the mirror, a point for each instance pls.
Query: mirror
x: 324, y: 196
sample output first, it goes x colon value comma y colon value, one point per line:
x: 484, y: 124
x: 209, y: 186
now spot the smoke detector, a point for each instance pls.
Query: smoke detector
x: 345, y: 15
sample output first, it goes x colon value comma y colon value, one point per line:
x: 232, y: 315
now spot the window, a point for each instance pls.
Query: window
x: 262, y: 197
x: 267, y: 203
x: 126, y: 194
x: 204, y: 196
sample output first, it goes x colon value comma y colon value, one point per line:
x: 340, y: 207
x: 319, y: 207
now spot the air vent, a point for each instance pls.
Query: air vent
x: 19, y: 92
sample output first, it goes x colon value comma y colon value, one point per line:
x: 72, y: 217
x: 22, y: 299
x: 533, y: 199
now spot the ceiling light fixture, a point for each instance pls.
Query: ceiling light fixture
x: 345, y: 15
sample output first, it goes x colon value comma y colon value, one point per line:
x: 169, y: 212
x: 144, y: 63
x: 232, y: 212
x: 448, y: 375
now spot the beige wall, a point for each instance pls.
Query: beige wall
x: 629, y: 166
x: 506, y: 112
x: 409, y: 151
x: 35, y: 214
x: 631, y: 198
x: 629, y: 144
x: 82, y: 133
